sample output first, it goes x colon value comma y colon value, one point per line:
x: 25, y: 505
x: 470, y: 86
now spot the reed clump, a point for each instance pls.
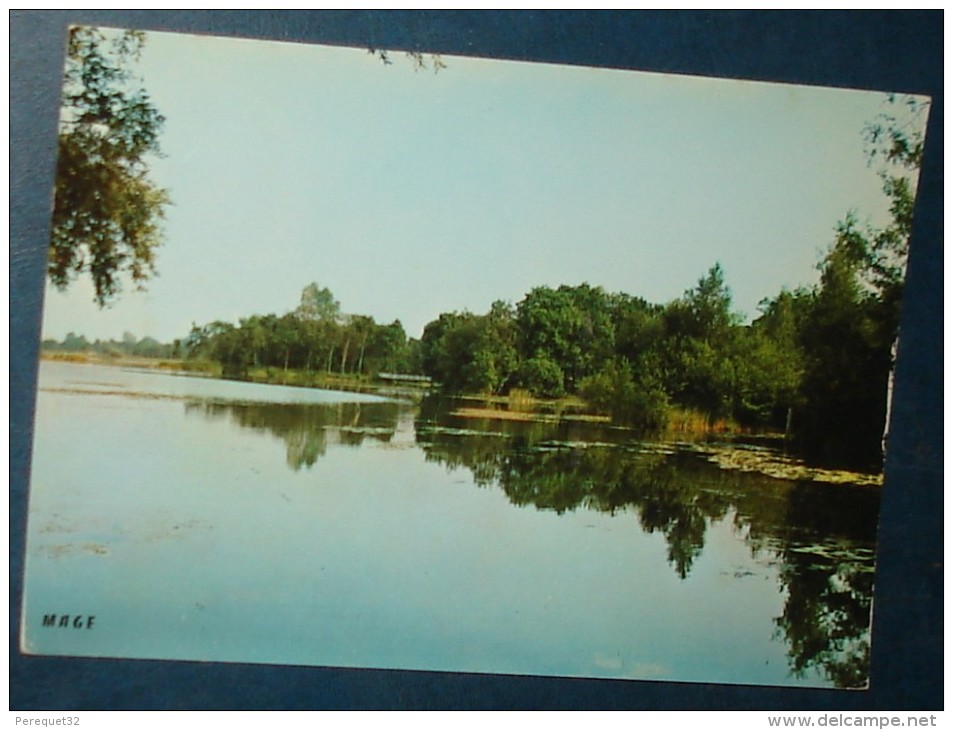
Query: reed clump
x: 695, y: 422
x: 521, y: 400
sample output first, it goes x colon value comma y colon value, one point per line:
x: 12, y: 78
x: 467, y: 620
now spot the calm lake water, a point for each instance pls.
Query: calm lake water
x: 213, y: 520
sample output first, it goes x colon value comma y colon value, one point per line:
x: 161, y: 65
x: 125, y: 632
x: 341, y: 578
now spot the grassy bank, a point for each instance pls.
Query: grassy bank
x: 264, y: 376
x: 198, y: 367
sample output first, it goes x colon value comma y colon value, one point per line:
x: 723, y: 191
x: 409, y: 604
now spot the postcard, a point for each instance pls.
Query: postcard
x: 363, y: 358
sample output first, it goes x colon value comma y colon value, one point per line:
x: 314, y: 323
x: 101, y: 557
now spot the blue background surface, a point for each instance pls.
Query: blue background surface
x: 890, y: 51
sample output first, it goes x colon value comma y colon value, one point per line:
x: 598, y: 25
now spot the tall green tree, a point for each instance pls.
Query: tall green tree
x: 699, y: 353
x: 852, y: 325
x: 773, y: 362
x: 846, y: 341
x: 107, y: 211
x: 709, y: 306
x: 387, y: 349
x: 318, y: 303
x: 895, y: 142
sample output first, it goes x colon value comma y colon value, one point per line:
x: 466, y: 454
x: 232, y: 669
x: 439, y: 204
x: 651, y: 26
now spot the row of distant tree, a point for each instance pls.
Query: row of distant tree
x: 129, y: 345
x: 316, y: 337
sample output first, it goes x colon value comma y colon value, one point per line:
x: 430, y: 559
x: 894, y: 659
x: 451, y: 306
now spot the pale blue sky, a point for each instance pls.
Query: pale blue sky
x: 410, y: 194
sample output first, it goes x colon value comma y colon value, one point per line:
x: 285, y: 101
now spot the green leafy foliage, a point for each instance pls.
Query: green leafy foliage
x: 470, y: 352
x: 542, y: 376
x: 853, y: 319
x: 634, y: 398
x: 568, y: 326
x: 107, y: 212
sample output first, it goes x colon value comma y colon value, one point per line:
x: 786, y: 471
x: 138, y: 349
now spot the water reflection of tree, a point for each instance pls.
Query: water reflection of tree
x: 826, y: 617
x: 609, y: 479
x: 820, y: 537
x: 605, y: 478
x: 306, y: 429
x: 830, y: 583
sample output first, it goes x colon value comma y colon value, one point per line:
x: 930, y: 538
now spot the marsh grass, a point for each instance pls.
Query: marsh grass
x: 521, y: 400
x: 691, y: 421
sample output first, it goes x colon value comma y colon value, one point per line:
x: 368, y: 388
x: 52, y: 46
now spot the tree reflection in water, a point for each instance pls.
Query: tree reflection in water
x: 820, y: 537
x: 307, y: 429
x: 830, y: 583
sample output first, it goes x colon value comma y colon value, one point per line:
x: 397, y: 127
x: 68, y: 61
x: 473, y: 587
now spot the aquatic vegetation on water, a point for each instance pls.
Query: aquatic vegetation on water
x: 772, y: 464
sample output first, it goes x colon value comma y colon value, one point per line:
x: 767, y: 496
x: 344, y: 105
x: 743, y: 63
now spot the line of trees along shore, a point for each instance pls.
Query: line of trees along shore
x: 814, y: 364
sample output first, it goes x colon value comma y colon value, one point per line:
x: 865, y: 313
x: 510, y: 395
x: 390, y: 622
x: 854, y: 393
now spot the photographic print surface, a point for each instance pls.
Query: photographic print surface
x: 369, y: 359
